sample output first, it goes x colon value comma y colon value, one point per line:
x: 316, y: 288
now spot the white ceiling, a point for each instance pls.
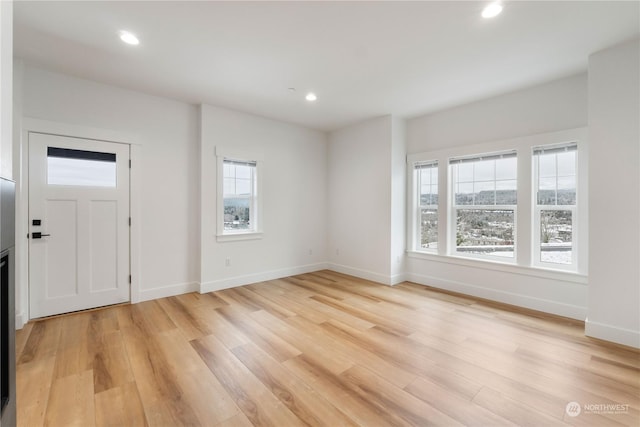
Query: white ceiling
x: 363, y: 59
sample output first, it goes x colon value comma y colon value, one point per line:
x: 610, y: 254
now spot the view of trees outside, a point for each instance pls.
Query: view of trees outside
x: 556, y: 173
x: 556, y: 235
x: 429, y: 228
x: 485, y: 199
x: 562, y: 197
x: 237, y: 214
x: 428, y: 186
x: 485, y: 231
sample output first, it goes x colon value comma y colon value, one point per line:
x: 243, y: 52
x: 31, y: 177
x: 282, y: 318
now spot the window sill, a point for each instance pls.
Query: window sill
x: 234, y: 237
x: 506, y: 267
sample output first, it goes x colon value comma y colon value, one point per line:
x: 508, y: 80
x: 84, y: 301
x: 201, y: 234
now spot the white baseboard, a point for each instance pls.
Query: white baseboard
x: 364, y: 274
x: 526, y: 301
x: 611, y: 333
x: 167, y: 291
x: 398, y: 278
x: 145, y: 295
x: 20, y: 320
x: 233, y: 282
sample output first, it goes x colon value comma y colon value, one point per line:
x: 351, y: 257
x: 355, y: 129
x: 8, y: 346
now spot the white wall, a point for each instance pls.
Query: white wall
x: 168, y: 137
x: 294, y: 199
x: 360, y: 208
x: 614, y: 190
x: 398, y: 199
x: 557, y: 105
x: 339, y: 197
x: 6, y: 88
x: 550, y: 107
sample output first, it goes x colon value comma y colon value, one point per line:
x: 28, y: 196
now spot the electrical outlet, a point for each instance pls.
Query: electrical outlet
x: 310, y: 251
x: 227, y: 262
x: 338, y: 252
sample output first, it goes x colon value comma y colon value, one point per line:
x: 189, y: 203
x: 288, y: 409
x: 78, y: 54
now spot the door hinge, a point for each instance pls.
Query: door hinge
x: 129, y: 279
x: 129, y: 163
x: 129, y: 221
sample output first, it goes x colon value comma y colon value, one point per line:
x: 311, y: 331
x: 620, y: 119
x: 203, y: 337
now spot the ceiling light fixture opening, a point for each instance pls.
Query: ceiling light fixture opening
x: 129, y: 38
x: 311, y: 96
x: 492, y: 10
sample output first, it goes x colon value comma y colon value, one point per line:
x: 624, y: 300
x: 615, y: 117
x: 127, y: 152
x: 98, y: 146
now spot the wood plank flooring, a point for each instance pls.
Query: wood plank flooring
x: 321, y: 349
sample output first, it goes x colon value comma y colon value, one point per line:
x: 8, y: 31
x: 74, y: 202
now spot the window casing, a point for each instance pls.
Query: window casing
x: 484, y: 206
x: 543, y: 193
x: 426, y: 178
x: 555, y: 204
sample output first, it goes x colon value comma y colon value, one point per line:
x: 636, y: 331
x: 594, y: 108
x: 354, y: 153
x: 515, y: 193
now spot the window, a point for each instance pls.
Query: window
x: 484, y: 204
x: 555, y: 205
x: 66, y: 166
x: 523, y: 204
x: 238, y: 196
x: 426, y: 176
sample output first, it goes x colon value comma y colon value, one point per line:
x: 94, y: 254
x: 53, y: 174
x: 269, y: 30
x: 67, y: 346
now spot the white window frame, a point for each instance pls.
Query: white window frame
x: 525, y: 227
x: 255, y: 203
x: 454, y: 208
x: 418, y: 206
x: 538, y: 209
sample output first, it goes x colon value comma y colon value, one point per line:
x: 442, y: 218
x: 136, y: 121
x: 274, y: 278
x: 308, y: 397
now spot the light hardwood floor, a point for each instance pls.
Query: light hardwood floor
x: 320, y: 349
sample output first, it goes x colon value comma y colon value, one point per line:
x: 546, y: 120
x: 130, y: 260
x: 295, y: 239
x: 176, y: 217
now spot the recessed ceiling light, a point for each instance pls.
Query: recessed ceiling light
x: 311, y: 96
x: 129, y: 38
x: 492, y: 10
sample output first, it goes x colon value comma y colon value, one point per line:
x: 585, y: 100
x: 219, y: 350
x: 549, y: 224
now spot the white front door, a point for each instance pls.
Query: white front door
x: 78, y: 224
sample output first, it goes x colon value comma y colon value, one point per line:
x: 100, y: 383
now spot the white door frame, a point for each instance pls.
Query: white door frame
x: 22, y: 203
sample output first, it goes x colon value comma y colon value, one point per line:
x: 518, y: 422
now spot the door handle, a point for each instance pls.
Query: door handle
x: 38, y: 235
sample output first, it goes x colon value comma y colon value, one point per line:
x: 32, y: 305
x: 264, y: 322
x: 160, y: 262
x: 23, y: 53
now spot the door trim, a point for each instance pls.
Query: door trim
x: 30, y: 125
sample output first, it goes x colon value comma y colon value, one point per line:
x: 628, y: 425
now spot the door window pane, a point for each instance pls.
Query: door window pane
x: 80, y: 168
